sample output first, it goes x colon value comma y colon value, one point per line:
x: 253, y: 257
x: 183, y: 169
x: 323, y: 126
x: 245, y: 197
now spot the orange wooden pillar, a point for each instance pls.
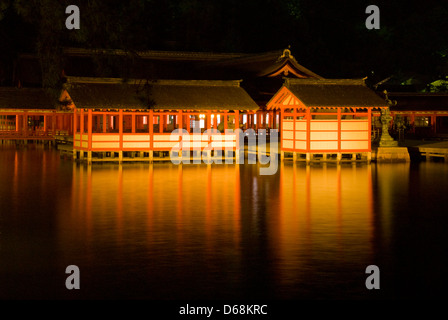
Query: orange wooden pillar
x: 161, y: 122
x: 339, y: 116
x: 89, y: 127
x: 151, y: 133
x: 281, y: 135
x: 81, y: 131
x: 369, y: 117
x: 120, y: 132
x: 308, y: 130
x: 151, y: 123
x: 294, y: 117
x: 187, y: 117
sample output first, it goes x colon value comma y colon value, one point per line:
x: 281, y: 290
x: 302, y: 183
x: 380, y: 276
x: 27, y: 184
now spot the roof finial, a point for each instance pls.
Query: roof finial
x: 286, y: 53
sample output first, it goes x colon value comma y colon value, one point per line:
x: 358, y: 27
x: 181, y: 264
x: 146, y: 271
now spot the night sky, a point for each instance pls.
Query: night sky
x: 328, y: 37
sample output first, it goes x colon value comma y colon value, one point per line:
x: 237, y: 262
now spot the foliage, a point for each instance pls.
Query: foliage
x: 438, y: 86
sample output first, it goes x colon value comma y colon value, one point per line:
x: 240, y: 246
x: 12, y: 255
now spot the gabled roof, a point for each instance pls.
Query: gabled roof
x: 200, y: 94
x: 26, y: 98
x: 349, y: 93
x: 264, y: 64
x: 159, y: 94
x: 184, y: 65
x: 103, y: 94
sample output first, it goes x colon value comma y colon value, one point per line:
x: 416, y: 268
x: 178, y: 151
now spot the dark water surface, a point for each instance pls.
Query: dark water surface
x: 162, y: 231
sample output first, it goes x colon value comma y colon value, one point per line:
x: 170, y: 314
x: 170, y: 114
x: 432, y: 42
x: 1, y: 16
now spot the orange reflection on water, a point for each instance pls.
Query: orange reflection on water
x: 392, y: 180
x: 156, y: 200
x: 326, y: 213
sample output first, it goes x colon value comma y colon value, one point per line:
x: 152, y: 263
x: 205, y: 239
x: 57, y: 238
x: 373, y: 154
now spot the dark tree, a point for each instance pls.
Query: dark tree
x: 329, y: 37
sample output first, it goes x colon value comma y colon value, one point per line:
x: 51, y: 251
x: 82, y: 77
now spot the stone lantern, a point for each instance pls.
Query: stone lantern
x: 386, y: 140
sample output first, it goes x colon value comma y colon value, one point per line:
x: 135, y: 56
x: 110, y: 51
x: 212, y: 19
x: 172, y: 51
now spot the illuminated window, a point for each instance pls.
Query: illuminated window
x: 422, y: 121
x: 141, y: 124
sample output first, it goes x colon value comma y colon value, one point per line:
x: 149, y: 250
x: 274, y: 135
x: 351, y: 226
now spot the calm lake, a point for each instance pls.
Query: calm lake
x: 163, y: 231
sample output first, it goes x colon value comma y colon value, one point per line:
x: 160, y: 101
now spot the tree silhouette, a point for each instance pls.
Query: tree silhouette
x: 330, y: 38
